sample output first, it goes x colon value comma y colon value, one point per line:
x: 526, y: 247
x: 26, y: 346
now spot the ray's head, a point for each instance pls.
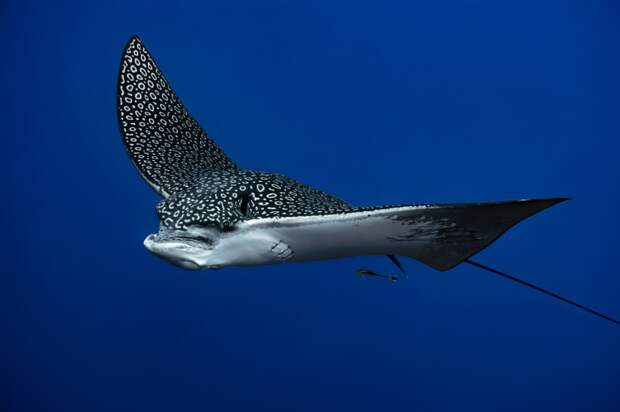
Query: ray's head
x: 193, y: 222
x: 188, y: 248
x: 171, y: 152
x: 205, y: 194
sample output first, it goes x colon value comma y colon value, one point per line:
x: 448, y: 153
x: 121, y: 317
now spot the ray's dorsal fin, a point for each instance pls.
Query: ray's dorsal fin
x: 166, y: 144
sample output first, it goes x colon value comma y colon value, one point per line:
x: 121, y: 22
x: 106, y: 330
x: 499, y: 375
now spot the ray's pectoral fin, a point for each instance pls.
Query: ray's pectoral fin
x: 444, y: 236
x: 440, y: 236
x: 164, y: 141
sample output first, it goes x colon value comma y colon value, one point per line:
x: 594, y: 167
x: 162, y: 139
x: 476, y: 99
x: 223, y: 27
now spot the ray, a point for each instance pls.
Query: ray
x: 214, y: 213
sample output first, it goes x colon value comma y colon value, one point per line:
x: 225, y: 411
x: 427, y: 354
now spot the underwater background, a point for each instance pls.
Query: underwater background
x: 374, y: 102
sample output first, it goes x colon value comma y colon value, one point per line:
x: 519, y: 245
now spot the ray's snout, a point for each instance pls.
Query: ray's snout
x: 174, y: 251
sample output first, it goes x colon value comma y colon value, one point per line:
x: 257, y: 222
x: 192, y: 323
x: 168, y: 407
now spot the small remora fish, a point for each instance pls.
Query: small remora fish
x: 370, y: 273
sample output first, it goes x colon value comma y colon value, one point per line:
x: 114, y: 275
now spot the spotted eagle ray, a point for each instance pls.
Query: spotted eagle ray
x: 214, y: 213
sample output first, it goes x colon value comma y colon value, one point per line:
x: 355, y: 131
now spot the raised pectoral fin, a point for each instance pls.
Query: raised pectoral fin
x: 166, y: 144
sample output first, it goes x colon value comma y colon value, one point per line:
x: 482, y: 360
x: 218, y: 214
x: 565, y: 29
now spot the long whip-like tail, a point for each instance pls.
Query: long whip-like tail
x: 545, y: 291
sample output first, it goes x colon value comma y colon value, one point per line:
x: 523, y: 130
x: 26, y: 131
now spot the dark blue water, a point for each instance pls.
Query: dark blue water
x: 386, y: 103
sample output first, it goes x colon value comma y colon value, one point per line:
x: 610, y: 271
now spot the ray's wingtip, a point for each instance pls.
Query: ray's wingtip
x: 549, y: 201
x: 134, y: 39
x: 556, y: 200
x: 542, y: 204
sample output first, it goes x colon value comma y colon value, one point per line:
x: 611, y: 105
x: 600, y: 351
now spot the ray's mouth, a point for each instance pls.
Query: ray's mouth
x: 181, y: 248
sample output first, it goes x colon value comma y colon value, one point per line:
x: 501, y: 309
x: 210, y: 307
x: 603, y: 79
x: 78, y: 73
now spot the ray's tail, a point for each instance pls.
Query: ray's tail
x: 542, y: 290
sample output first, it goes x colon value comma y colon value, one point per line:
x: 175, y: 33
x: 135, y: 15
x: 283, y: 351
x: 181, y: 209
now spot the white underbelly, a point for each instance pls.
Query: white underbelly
x: 325, y: 240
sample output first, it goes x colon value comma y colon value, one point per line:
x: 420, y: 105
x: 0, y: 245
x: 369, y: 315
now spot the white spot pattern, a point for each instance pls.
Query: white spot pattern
x: 201, y: 185
x: 217, y: 197
x: 164, y: 141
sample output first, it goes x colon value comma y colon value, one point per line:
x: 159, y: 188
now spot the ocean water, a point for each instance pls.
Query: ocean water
x: 383, y: 102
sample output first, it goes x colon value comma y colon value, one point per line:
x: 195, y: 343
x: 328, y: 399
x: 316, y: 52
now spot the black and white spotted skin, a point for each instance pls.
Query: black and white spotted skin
x: 165, y: 142
x: 182, y: 163
x: 214, y: 213
x: 224, y: 198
